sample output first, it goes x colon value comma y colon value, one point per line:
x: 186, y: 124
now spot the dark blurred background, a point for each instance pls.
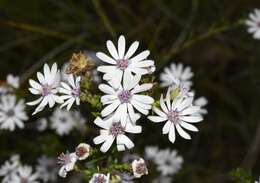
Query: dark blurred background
x: 201, y: 33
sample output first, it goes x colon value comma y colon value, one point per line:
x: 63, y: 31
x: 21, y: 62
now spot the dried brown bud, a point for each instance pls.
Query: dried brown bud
x: 80, y: 64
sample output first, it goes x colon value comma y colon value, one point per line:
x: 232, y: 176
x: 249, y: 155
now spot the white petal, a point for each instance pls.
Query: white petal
x: 112, y: 49
x: 188, y: 126
x: 141, y: 56
x: 166, y: 127
x: 157, y: 119
x: 35, y: 85
x: 121, y: 47
x: 107, y: 144
x: 190, y: 110
x: 122, y: 139
x: 172, y: 135
x: 132, y: 49
x: 110, y: 108
x: 106, y: 89
x: 105, y: 58
x: 182, y: 133
x: 192, y: 119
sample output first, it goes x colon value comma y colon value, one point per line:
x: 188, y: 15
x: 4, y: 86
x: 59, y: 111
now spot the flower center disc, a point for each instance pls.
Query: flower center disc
x: 122, y: 63
x: 173, y: 116
x: 99, y: 179
x: 141, y: 168
x: 46, y: 90
x: 116, y: 129
x: 124, y: 96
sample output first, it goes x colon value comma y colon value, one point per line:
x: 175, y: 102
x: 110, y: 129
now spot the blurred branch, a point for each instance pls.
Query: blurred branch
x: 199, y: 38
x: 104, y: 18
x: 253, y: 151
x: 17, y: 42
x: 36, y: 29
x: 50, y: 55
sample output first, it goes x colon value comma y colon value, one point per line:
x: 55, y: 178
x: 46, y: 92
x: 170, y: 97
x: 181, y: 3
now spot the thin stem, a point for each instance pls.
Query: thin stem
x: 104, y: 18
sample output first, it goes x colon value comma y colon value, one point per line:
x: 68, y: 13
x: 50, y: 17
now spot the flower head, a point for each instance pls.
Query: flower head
x: 114, y: 130
x: 47, y: 88
x: 122, y: 61
x: 12, y: 114
x: 62, y: 121
x: 178, y: 114
x: 253, y: 24
x: 9, y: 168
x: 13, y: 81
x: 99, y: 178
x: 70, y: 91
x: 126, y: 98
x: 168, y: 162
x: 80, y: 63
x: 25, y: 175
x: 47, y: 169
x: 176, y: 76
x: 82, y: 151
x: 67, y: 162
x: 139, y: 168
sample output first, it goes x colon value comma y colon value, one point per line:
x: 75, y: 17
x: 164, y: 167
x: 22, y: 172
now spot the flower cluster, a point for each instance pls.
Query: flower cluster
x: 167, y: 161
x: 122, y: 98
x: 50, y: 86
x: 13, y: 171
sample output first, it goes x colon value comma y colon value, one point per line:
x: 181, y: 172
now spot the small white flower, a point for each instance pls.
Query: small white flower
x: 13, y: 81
x: 47, y: 169
x: 12, y: 114
x: 114, y: 130
x: 79, y: 120
x: 62, y: 121
x: 122, y: 61
x: 151, y: 152
x: 100, y: 178
x: 178, y: 114
x: 253, y: 24
x: 168, y: 162
x: 47, y: 88
x: 201, y: 102
x: 176, y: 76
x: 139, y: 168
x: 67, y: 162
x: 82, y: 151
x: 24, y: 174
x: 257, y: 181
x: 71, y: 91
x: 9, y: 168
x: 126, y: 98
x: 41, y: 124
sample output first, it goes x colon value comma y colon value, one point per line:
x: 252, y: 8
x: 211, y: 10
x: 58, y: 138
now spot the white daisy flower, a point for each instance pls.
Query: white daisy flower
x: 83, y: 151
x: 253, y: 24
x: 67, y: 162
x: 71, y: 91
x: 100, y: 178
x: 79, y: 120
x: 201, y: 102
x: 176, y: 76
x: 47, y: 169
x: 25, y: 174
x: 179, y: 114
x: 257, y: 181
x: 151, y: 152
x: 122, y: 61
x: 124, y: 99
x: 62, y: 121
x: 139, y: 168
x: 114, y: 130
x: 9, y: 167
x: 95, y: 77
x: 47, y: 88
x: 13, y: 81
x: 12, y: 114
x: 168, y: 162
